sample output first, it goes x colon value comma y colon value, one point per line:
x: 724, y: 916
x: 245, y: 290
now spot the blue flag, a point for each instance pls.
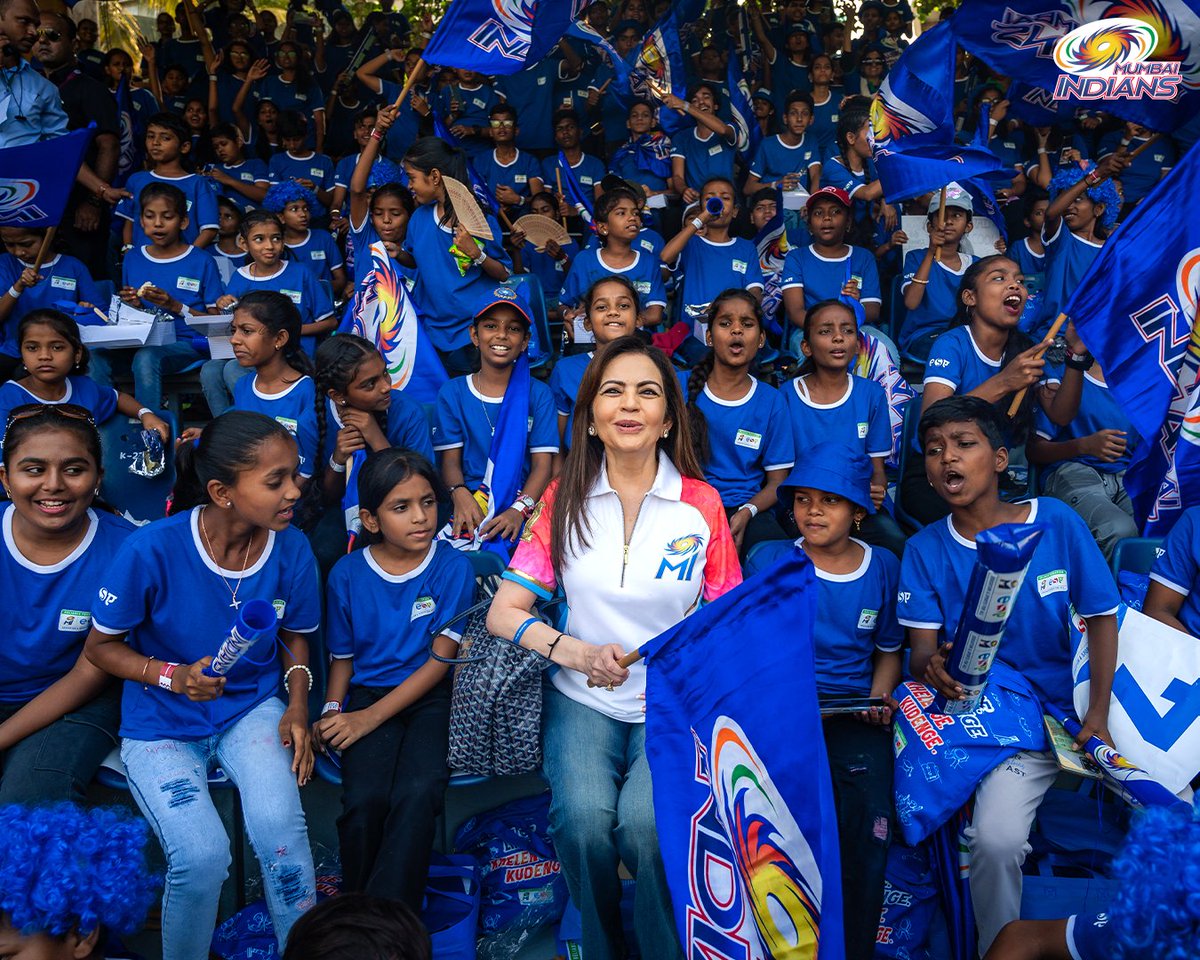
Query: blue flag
x: 1036, y: 106
x: 660, y: 69
x: 506, y: 456
x: 36, y: 179
x: 748, y: 131
x: 983, y: 197
x: 743, y: 802
x: 1142, y: 65
x: 382, y: 311
x: 500, y: 36
x: 132, y: 138
x: 1137, y: 314
x: 350, y: 498
x: 581, y: 199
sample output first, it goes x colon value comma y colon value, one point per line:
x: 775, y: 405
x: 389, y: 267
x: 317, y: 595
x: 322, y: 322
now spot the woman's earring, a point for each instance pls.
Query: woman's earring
x: 591, y: 430
x: 666, y: 433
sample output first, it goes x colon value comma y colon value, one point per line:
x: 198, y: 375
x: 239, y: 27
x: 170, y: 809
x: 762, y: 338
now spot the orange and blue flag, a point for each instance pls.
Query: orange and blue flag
x: 748, y: 834
x: 36, y: 179
x: 500, y: 36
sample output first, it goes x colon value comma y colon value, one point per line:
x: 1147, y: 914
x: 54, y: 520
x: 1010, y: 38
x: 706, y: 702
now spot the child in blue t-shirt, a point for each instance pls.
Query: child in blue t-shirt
x: 964, y: 455
x: 789, y: 161
x: 857, y: 656
x: 164, y: 606
x: 261, y: 237
x: 305, y: 166
x: 1030, y: 252
x: 550, y: 264
x: 242, y: 180
x: 739, y: 424
x: 454, y: 270
x: 708, y: 260
x: 1173, y: 596
x: 380, y: 208
x: 309, y: 246
x: 587, y: 170
x: 466, y: 106
x: 226, y: 252
x: 512, y: 176
x: 705, y: 151
x: 618, y: 224
x: 167, y: 144
x: 53, y: 701
x: 387, y: 700
x: 467, y: 412
x: 932, y: 275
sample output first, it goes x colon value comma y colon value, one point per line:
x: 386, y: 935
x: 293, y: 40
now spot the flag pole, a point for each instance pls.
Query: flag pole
x: 626, y: 661
x: 941, y: 222
x: 558, y: 179
x: 1135, y: 153
x: 44, y: 251
x: 410, y: 81
x: 1051, y: 334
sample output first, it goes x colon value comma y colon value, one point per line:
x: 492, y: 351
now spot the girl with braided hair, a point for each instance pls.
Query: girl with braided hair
x: 739, y: 424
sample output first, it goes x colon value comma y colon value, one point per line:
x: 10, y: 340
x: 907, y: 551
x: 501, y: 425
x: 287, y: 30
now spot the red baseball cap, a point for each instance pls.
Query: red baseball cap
x: 835, y: 193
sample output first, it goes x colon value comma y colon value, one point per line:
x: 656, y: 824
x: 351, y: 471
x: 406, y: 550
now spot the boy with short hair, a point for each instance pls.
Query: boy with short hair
x: 167, y: 142
x: 512, y: 176
x: 300, y: 163
x: 962, y: 440
x: 789, y: 160
x: 1030, y: 252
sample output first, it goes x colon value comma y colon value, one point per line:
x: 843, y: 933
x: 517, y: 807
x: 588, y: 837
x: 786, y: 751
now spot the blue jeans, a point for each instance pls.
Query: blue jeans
x: 602, y: 813
x: 217, y: 378
x: 148, y: 364
x: 168, y: 779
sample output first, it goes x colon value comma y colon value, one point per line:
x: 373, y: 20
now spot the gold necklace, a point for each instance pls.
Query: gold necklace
x: 233, y: 591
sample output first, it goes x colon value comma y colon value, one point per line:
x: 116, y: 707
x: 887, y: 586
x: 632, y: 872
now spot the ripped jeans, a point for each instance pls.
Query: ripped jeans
x: 169, y: 782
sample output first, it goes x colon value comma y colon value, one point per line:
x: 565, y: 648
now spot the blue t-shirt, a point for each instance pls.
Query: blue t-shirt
x: 464, y: 419
x: 825, y: 121
x: 63, y: 278
x: 319, y: 252
x: 1178, y: 566
x: 287, y: 95
x: 835, y: 173
x: 446, y: 298
x: 703, y: 157
x: 775, y: 158
x: 384, y: 622
x: 746, y: 438
x: 295, y: 408
x: 823, y: 277
x: 83, y: 391
x: 707, y: 269
x: 474, y: 109
x: 1067, y: 571
x: 565, y: 379
x: 407, y: 427
x: 227, y: 263
x: 645, y: 273
x: 648, y: 239
x: 589, y: 171
x: 531, y: 91
x: 517, y: 174
x: 859, y: 419
x: 1088, y: 937
x: 407, y: 128
x: 191, y: 277
x: 1030, y: 263
x: 295, y: 281
x: 1144, y: 170
x: 316, y: 167
x: 956, y: 361
x: 201, y: 203
x: 49, y: 608
x: 249, y: 171
x: 1098, y: 410
x: 164, y: 590
x: 343, y: 170
x: 1068, y: 258
x: 550, y: 271
x: 940, y: 303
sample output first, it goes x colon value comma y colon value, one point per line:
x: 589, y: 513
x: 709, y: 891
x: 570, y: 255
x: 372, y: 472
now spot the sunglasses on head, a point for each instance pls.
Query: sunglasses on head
x: 67, y: 411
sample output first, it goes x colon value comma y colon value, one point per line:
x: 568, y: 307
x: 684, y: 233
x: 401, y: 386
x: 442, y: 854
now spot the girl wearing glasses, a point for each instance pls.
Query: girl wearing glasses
x: 54, y: 548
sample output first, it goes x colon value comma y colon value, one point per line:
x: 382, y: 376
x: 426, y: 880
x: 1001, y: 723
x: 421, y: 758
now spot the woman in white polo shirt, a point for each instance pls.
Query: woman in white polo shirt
x: 636, y: 540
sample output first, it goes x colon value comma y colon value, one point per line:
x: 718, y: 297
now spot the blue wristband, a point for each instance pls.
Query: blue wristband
x: 522, y: 628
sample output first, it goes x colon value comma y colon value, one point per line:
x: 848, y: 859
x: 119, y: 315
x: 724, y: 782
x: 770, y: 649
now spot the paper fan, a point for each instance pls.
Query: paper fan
x: 467, y: 209
x: 538, y: 229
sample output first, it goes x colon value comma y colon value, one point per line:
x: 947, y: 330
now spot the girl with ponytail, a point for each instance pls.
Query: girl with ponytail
x: 739, y: 424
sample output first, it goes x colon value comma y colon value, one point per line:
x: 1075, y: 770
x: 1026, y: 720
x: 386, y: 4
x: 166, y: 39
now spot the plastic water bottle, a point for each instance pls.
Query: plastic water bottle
x: 255, y: 620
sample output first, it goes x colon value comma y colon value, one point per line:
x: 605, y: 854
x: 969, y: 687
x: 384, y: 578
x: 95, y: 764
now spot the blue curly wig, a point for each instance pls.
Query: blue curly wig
x: 1156, y: 913
x: 281, y: 194
x: 64, y: 868
x: 384, y: 171
x: 1106, y: 193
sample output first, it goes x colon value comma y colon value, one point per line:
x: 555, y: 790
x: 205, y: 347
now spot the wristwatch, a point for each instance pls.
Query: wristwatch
x: 1080, y: 361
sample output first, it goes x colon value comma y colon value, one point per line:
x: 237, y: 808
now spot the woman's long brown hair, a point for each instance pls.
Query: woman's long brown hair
x: 569, y: 521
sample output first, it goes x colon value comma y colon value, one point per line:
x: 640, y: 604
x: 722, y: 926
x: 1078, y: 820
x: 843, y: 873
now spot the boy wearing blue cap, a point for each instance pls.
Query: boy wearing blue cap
x: 858, y: 639
x: 962, y: 438
x: 467, y: 414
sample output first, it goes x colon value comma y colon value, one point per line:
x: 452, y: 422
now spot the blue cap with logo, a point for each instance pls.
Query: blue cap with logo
x: 508, y: 296
x: 833, y: 468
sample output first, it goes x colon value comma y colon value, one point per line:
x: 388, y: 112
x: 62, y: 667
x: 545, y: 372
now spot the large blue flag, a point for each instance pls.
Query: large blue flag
x: 749, y: 132
x: 500, y: 36
x: 983, y: 197
x: 1137, y: 314
x: 912, y: 123
x: 36, y: 179
x: 132, y: 137
x: 744, y: 803
x: 382, y: 311
x: 660, y: 69
x: 1117, y: 66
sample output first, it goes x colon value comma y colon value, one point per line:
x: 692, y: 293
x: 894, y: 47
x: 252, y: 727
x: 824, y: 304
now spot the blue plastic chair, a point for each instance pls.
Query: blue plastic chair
x: 895, y: 311
x: 912, y: 414
x: 1135, y: 555
x: 541, y: 346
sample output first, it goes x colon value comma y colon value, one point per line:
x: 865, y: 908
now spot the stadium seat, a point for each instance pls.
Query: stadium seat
x: 1135, y: 555
x: 912, y: 414
x: 541, y: 346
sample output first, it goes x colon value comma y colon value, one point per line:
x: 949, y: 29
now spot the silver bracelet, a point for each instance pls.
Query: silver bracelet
x: 298, y: 666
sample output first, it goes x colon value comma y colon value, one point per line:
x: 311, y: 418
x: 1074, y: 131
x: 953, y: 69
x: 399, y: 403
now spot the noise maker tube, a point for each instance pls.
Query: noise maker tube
x: 255, y: 620
x: 1002, y: 556
x: 714, y: 206
x: 1133, y: 784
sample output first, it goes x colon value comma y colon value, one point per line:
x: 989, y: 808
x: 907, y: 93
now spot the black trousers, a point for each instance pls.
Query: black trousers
x: 393, y: 789
x: 860, y: 761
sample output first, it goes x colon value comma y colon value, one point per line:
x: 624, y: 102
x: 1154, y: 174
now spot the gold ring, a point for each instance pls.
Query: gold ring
x: 609, y: 688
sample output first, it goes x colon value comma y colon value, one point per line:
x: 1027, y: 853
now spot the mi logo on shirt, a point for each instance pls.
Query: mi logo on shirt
x: 1053, y: 582
x: 867, y: 619
x: 280, y: 606
x: 680, y: 557
x: 74, y: 621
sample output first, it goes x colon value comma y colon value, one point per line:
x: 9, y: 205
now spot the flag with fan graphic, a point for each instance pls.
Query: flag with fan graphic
x: 500, y: 36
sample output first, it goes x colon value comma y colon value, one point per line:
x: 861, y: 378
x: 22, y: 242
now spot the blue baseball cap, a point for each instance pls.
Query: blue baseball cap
x: 508, y: 296
x: 833, y: 468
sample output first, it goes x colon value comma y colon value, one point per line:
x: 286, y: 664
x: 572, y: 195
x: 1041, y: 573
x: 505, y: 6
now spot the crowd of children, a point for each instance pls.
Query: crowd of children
x: 808, y: 321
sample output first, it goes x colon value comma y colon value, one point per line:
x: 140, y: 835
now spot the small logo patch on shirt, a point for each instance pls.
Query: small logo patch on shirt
x: 862, y: 430
x: 739, y: 266
x: 1053, y: 582
x: 867, y: 619
x: 288, y: 422
x: 714, y: 151
x: 316, y: 254
x: 520, y: 178
x: 295, y: 295
x: 280, y: 606
x: 107, y: 597
x: 643, y: 286
x: 316, y: 172
x: 188, y: 283
x: 423, y: 607
x: 62, y: 283
x: 746, y: 438
x: 74, y: 621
